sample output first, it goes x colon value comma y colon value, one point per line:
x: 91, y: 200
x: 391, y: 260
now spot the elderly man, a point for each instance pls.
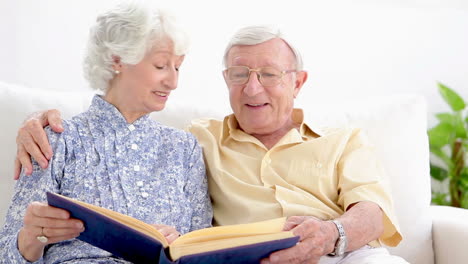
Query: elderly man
x: 264, y: 162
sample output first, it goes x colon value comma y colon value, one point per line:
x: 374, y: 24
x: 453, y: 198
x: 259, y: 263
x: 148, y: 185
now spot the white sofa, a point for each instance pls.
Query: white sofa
x: 396, y: 125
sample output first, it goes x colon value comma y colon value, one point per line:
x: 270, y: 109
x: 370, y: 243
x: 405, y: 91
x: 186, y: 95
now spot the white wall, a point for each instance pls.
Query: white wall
x: 349, y: 47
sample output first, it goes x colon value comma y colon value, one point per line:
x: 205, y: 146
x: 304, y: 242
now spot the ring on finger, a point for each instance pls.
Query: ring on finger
x: 42, y: 238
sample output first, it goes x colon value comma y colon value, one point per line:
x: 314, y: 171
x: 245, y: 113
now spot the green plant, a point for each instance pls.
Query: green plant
x: 448, y: 141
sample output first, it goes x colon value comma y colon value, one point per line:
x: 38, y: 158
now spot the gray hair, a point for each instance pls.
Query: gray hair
x: 129, y: 31
x: 258, y: 34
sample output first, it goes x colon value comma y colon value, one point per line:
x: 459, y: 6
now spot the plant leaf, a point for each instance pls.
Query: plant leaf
x: 464, y: 201
x: 464, y: 180
x: 446, y: 117
x: 455, y: 120
x: 441, y: 135
x: 460, y: 128
x: 438, y: 173
x: 464, y: 188
x: 450, y: 175
x: 452, y: 98
x: 439, y: 153
x: 440, y: 198
x: 464, y: 195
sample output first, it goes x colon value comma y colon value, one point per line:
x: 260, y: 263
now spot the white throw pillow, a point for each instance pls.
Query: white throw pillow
x: 16, y: 103
x: 396, y: 125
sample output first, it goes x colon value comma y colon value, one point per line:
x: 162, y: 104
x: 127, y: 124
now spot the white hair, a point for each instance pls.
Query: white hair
x: 128, y: 31
x: 254, y: 35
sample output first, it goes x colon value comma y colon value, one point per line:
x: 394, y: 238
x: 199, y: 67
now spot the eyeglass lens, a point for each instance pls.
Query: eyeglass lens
x: 267, y: 76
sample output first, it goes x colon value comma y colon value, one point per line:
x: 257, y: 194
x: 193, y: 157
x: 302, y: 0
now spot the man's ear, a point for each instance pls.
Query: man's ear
x: 301, y: 78
x: 225, y: 80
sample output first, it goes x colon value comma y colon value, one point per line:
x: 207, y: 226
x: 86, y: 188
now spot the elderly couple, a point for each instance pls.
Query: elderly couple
x: 262, y: 161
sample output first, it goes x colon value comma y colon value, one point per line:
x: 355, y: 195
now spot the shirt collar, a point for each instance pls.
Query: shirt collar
x: 106, y: 113
x: 293, y: 136
x: 305, y: 130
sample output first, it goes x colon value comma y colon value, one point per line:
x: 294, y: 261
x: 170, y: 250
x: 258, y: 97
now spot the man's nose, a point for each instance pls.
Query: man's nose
x: 253, y: 85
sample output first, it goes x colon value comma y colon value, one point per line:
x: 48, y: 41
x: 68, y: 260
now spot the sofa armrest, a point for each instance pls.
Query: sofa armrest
x: 450, y: 234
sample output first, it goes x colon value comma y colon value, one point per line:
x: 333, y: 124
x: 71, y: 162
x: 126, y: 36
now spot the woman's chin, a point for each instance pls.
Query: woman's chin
x: 158, y: 107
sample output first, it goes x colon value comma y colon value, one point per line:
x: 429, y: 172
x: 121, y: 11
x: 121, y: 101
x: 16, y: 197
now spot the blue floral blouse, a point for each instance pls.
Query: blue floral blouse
x: 146, y: 170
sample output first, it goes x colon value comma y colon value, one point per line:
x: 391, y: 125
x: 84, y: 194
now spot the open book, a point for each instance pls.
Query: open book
x: 139, y: 242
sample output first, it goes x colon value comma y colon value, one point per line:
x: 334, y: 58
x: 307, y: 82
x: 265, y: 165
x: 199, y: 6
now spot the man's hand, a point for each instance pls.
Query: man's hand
x: 363, y: 223
x: 317, y: 238
x: 32, y: 140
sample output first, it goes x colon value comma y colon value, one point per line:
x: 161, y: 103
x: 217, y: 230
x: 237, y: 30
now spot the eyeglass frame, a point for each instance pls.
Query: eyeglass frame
x: 257, y: 72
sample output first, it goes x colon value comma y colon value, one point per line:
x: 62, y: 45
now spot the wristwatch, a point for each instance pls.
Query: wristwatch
x: 341, y: 242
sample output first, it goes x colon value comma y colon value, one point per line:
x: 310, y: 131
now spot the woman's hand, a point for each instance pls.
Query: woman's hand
x: 46, y: 223
x: 169, y: 232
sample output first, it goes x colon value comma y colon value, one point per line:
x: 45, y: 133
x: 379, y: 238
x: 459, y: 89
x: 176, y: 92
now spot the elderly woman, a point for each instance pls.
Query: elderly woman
x: 114, y: 155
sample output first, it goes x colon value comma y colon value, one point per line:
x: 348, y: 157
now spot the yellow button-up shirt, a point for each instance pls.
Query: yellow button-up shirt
x: 306, y: 173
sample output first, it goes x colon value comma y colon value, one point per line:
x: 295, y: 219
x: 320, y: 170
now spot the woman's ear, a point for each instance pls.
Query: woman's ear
x: 116, y: 65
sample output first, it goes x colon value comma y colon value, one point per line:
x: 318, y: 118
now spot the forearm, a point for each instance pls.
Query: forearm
x: 363, y: 223
x: 9, y: 250
x: 31, y: 250
x: 15, y: 244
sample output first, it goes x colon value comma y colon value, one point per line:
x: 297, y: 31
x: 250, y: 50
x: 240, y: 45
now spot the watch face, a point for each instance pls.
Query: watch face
x: 341, y: 247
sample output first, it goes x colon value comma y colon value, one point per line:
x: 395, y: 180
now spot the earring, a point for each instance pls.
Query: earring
x: 116, y: 72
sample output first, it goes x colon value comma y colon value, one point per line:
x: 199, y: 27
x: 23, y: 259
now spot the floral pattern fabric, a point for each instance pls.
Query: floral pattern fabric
x: 146, y: 170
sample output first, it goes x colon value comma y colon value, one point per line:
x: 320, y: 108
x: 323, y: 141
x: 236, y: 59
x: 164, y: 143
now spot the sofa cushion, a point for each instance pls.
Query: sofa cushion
x: 396, y: 125
x: 16, y: 103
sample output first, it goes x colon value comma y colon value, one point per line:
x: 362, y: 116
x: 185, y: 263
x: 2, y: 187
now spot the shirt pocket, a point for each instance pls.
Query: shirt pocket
x: 307, y: 174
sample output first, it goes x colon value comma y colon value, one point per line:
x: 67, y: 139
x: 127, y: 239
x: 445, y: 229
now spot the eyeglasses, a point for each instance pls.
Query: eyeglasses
x: 267, y: 76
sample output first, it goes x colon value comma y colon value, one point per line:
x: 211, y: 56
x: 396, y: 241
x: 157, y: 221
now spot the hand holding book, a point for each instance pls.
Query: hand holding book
x: 169, y: 232
x: 140, y: 242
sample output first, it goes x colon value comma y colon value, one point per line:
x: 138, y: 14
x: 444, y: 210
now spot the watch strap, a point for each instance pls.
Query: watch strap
x: 340, y: 228
x: 341, y: 239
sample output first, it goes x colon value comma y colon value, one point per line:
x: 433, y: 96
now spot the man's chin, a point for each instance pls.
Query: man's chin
x: 254, y: 128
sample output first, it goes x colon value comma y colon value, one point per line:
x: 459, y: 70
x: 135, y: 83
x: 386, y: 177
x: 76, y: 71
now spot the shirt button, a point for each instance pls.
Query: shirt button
x: 268, y: 161
x: 139, y: 183
x: 136, y: 168
x: 131, y: 127
x: 318, y: 165
x: 134, y: 146
x: 144, y: 194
